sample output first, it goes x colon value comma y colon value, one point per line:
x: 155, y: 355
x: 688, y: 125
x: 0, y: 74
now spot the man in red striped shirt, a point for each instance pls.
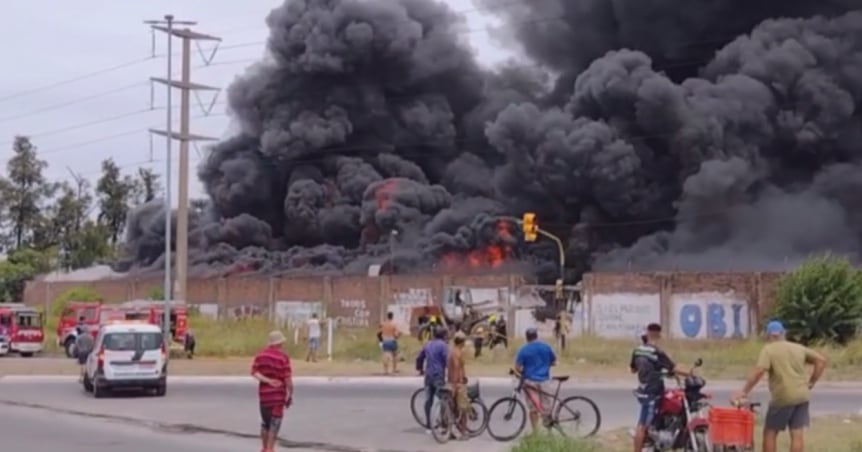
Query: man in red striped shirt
x: 271, y: 367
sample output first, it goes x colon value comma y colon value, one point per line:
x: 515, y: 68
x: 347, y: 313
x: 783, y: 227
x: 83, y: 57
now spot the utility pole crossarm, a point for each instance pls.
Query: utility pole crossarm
x: 179, y: 136
x: 184, y: 85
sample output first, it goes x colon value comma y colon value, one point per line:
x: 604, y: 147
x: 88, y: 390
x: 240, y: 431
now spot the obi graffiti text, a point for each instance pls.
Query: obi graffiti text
x: 709, y: 316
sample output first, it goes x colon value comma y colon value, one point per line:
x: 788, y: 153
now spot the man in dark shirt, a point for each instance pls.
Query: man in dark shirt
x: 271, y: 367
x: 431, y: 362
x: 650, y: 363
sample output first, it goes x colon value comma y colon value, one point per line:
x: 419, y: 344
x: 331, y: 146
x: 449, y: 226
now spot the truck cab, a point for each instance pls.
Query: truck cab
x: 21, y: 329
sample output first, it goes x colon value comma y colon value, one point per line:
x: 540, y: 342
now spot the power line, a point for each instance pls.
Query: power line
x: 102, y: 120
x: 111, y: 69
x: 228, y: 32
x: 97, y: 95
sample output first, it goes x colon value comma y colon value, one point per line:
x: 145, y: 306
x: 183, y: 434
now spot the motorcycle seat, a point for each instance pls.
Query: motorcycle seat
x: 561, y: 378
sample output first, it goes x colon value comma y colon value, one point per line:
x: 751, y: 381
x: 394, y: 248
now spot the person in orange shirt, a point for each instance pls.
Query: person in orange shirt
x: 388, y: 337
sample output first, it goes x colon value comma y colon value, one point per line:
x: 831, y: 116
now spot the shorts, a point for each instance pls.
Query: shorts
x: 545, y: 399
x: 82, y: 357
x: 313, y: 343
x: 793, y: 417
x: 270, y: 417
x: 390, y: 345
x: 459, y: 393
x: 646, y: 415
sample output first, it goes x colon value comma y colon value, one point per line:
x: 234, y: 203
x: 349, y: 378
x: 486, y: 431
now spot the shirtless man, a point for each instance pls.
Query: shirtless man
x: 388, y: 336
x: 457, y: 379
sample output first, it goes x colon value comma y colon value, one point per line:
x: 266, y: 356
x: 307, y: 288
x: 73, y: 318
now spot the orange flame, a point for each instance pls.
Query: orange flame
x: 383, y: 193
x: 488, y: 256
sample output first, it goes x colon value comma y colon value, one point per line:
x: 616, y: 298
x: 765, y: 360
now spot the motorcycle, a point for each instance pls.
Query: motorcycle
x: 681, y: 417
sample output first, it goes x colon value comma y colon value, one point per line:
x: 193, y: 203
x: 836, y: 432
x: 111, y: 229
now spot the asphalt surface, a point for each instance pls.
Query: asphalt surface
x: 343, y: 417
x: 30, y: 429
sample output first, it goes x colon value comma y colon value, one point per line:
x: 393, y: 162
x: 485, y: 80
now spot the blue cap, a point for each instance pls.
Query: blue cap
x: 774, y: 328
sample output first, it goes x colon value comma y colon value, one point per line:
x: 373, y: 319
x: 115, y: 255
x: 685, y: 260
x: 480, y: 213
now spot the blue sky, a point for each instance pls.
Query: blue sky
x: 78, y: 124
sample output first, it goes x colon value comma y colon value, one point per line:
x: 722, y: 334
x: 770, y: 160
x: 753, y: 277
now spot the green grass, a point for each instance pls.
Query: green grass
x: 546, y: 443
x: 585, y: 355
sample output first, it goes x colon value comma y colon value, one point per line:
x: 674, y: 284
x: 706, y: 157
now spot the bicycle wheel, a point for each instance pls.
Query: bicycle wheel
x: 443, y: 421
x: 572, y: 417
x: 417, y: 407
x: 477, y: 418
x: 513, y: 414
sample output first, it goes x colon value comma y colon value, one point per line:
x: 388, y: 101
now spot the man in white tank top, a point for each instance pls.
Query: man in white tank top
x: 313, y: 333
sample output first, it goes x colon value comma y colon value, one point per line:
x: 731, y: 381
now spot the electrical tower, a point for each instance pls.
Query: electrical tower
x: 177, y: 290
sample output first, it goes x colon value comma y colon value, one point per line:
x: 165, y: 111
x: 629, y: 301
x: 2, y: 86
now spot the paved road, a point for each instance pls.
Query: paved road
x: 30, y: 429
x: 335, y: 416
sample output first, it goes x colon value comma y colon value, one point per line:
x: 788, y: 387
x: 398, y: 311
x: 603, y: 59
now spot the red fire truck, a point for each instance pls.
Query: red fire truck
x: 96, y: 313
x: 21, y: 329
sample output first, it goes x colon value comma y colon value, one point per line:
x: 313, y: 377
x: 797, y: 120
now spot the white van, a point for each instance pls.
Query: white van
x: 127, y: 355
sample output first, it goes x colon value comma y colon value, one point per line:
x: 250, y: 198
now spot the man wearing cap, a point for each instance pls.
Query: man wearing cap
x: 650, y: 363
x: 533, y: 363
x: 271, y: 367
x: 789, y: 386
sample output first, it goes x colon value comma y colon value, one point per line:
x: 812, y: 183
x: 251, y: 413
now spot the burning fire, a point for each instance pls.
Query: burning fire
x: 488, y: 256
x: 383, y: 193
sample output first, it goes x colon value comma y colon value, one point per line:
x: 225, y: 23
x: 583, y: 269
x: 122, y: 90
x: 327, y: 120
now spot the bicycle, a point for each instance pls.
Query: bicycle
x: 551, y: 419
x: 477, y: 416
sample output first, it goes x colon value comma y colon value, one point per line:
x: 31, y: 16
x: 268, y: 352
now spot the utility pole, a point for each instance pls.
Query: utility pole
x: 185, y: 86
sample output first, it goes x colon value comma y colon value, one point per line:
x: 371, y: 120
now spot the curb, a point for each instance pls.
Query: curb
x: 411, y: 382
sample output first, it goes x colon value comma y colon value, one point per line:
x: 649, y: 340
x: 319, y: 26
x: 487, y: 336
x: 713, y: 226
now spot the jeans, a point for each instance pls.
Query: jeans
x: 432, y: 387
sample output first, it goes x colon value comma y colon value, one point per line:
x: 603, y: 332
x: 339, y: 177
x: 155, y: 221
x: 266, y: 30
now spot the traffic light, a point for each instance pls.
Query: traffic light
x: 531, y: 229
x: 558, y: 290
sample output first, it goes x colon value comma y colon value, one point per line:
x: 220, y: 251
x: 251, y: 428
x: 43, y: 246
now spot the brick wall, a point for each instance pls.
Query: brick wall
x: 343, y: 297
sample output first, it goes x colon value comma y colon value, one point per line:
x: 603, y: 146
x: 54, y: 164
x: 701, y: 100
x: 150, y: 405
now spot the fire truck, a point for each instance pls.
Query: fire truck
x: 93, y: 314
x: 21, y: 329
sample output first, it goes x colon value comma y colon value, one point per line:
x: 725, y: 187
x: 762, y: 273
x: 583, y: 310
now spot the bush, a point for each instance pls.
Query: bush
x: 548, y: 443
x: 72, y: 294
x: 821, y: 301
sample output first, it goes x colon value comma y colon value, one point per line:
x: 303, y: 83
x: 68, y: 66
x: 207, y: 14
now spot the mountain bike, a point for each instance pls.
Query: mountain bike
x: 554, y: 418
x: 477, y: 415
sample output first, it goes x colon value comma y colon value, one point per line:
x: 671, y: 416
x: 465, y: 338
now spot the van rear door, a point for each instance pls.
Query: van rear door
x: 132, y: 354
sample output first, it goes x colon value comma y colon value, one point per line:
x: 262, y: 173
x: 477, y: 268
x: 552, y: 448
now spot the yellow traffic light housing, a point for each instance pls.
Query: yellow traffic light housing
x: 531, y: 229
x: 558, y: 290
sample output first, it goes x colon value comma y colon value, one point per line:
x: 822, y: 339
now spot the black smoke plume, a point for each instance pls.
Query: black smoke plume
x: 646, y: 134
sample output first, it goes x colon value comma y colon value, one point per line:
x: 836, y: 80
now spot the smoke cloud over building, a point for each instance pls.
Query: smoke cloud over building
x: 646, y: 134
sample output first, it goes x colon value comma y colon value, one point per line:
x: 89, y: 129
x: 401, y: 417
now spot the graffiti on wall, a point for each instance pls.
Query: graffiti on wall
x: 247, y: 310
x: 206, y: 310
x: 709, y: 315
x: 294, y: 313
x: 353, y: 313
x: 623, y: 315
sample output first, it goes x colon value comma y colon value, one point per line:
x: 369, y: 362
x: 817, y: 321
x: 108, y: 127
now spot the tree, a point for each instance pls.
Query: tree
x: 25, y: 191
x: 821, y: 301
x: 20, y: 266
x: 147, y: 186
x: 115, y: 193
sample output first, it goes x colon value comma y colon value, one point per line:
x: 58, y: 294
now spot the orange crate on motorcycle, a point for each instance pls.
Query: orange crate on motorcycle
x: 731, y: 427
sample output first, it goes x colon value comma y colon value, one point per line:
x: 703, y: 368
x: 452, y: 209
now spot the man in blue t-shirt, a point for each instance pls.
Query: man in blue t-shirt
x: 431, y: 363
x: 533, y: 362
